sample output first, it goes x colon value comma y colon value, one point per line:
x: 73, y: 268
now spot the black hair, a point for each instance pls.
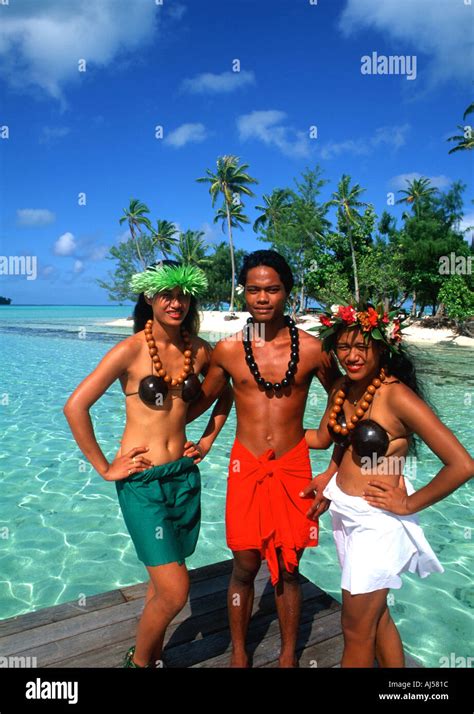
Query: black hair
x: 273, y: 260
x: 402, y: 366
x: 143, y: 311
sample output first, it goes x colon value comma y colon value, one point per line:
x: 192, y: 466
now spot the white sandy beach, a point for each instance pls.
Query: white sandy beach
x: 216, y: 327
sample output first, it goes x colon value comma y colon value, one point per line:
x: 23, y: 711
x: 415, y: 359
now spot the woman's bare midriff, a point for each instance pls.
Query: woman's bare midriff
x: 162, y: 430
x: 353, y: 481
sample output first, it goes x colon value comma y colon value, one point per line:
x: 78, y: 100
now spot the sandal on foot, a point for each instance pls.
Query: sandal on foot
x: 128, y: 661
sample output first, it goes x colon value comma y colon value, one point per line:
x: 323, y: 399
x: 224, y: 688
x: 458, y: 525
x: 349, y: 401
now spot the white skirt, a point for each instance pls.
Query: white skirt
x: 374, y: 546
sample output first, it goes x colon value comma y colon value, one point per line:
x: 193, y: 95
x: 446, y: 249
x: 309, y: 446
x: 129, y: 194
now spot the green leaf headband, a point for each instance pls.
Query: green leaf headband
x: 157, y: 278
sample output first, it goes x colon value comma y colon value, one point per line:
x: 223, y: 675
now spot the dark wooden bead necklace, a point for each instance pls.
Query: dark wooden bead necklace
x: 292, y: 364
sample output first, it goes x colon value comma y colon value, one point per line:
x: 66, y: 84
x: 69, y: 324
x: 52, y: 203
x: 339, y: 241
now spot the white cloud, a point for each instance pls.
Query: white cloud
x: 185, y: 134
x: 389, y: 136
x: 400, y: 181
x: 226, y: 82
x: 267, y: 126
x: 65, y: 245
x: 33, y: 217
x: 393, y: 136
x: 441, y: 30
x: 78, y: 266
x: 41, y: 42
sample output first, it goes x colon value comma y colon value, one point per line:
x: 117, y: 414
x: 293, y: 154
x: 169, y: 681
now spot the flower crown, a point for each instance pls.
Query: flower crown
x: 375, y: 323
x: 156, y: 278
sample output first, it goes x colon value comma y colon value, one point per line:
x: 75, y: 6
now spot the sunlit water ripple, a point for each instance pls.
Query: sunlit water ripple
x: 61, y: 531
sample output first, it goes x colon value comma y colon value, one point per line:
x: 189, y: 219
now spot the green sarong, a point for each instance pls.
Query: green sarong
x: 161, y: 507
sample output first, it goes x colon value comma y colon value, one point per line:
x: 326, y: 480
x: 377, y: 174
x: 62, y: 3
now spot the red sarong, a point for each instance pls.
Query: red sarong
x: 264, y: 510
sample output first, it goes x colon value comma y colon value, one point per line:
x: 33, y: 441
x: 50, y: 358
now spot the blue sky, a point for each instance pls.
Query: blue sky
x: 171, y: 64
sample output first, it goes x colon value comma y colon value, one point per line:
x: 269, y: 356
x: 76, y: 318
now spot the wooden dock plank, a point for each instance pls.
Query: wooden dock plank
x: 98, y: 634
x: 191, y: 640
x: 60, y: 634
x: 55, y: 613
x: 266, y: 649
x: 57, y: 631
x: 72, y: 619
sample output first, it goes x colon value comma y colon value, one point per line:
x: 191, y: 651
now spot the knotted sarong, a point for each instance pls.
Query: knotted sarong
x: 264, y: 510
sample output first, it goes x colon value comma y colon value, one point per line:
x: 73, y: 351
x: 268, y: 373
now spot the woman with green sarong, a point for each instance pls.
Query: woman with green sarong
x: 158, y: 488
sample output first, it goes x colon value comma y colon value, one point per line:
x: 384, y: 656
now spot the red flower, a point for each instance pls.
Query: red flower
x: 326, y: 321
x: 396, y: 333
x: 373, y: 317
x: 385, y: 318
x: 348, y: 314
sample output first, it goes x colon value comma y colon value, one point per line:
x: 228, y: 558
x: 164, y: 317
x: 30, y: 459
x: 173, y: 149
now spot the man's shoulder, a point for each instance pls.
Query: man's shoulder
x: 230, y: 343
x: 310, y: 341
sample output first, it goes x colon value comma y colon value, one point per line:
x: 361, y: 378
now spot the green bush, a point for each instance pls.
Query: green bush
x: 457, y: 298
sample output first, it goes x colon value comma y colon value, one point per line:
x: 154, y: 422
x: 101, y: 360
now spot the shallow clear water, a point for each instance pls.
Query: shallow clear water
x: 61, y: 531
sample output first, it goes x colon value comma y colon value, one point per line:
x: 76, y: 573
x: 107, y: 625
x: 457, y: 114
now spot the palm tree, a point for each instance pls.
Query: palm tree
x: 273, y: 209
x: 191, y: 249
x: 134, y: 215
x: 417, y: 192
x: 466, y: 139
x: 164, y: 236
x: 237, y: 217
x: 231, y: 180
x: 346, y: 199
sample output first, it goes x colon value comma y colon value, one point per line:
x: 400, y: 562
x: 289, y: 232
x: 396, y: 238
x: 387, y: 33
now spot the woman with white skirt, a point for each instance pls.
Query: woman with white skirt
x: 373, y: 413
x: 375, y: 546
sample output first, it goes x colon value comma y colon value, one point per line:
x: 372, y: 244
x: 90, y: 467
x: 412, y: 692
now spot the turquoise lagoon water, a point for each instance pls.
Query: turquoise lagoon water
x: 61, y: 530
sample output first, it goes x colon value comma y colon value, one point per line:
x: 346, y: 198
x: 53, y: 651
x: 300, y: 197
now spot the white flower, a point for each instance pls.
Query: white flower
x: 390, y: 328
x: 239, y: 289
x: 335, y: 309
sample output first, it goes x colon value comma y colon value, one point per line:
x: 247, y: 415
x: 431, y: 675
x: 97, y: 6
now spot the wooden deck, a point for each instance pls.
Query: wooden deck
x: 98, y: 634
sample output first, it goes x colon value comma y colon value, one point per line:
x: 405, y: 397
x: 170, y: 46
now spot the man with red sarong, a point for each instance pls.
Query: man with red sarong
x: 271, y: 363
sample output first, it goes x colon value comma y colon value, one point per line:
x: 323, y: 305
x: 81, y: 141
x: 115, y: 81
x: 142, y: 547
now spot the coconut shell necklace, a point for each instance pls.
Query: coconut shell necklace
x: 292, y: 364
x: 365, y: 435
x: 153, y: 389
